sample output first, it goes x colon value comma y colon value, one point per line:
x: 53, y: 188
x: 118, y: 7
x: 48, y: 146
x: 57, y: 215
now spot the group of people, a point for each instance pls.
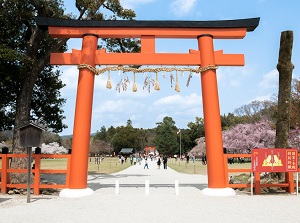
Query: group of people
x: 98, y: 159
x: 163, y: 160
x: 186, y: 157
x: 122, y: 159
x: 240, y: 160
x: 134, y: 160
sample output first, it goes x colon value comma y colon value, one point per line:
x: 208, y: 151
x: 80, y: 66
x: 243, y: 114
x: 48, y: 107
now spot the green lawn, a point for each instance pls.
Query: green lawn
x: 55, y: 164
x: 190, y: 168
x: 107, y: 166
x: 198, y: 168
x: 111, y: 165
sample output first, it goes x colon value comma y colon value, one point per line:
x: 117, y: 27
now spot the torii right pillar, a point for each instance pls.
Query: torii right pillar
x: 212, y: 122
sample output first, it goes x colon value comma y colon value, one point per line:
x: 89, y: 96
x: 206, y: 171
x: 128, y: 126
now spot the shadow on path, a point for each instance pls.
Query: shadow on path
x: 114, y: 176
x: 97, y: 186
x: 4, y: 199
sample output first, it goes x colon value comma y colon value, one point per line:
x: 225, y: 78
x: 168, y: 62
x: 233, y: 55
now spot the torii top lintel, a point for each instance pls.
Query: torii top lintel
x: 147, y: 31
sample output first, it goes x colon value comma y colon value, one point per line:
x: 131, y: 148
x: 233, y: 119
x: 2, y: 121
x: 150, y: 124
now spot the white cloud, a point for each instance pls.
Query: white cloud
x: 178, y: 105
x: 178, y: 101
x: 70, y: 78
x: 117, y: 112
x: 270, y: 80
x: 191, y: 112
x: 132, y: 4
x: 233, y: 76
x: 160, y: 117
x: 234, y: 83
x: 118, y: 106
x: 100, y: 82
x: 261, y: 98
x: 182, y: 7
x: 182, y: 109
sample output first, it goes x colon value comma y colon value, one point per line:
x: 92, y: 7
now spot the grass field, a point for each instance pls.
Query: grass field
x: 107, y: 166
x: 198, y: 168
x: 112, y: 165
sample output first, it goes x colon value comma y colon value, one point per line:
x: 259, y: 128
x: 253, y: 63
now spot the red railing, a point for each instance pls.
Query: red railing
x: 289, y: 177
x: 37, y: 171
x: 5, y: 174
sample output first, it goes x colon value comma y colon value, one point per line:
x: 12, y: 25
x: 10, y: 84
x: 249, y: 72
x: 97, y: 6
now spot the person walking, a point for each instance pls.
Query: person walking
x: 131, y: 159
x: 165, y: 161
x: 146, y: 163
x: 203, y: 159
x: 158, y: 162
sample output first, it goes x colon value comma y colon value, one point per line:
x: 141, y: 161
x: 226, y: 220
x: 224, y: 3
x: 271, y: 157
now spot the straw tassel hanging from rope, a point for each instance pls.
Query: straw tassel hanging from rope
x: 156, y: 86
x: 177, y: 87
x: 108, y: 84
x: 149, y: 81
x: 134, y: 88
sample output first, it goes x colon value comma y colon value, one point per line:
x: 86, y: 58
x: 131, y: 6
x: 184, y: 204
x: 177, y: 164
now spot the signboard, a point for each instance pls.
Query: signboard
x: 274, y: 160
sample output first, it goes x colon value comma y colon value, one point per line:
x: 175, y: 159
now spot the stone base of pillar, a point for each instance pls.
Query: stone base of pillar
x: 76, y: 192
x: 218, y: 192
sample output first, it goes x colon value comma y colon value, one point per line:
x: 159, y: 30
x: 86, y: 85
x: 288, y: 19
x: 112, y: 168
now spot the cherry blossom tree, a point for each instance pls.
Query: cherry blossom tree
x: 53, y: 148
x: 294, y: 138
x: 199, y: 149
x: 243, y: 137
x: 100, y: 147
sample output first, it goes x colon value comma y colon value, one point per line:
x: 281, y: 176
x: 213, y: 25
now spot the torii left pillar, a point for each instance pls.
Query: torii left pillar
x: 82, y: 122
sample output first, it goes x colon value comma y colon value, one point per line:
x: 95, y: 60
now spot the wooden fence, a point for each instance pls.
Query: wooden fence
x: 289, y: 183
x: 5, y: 171
x: 37, y: 171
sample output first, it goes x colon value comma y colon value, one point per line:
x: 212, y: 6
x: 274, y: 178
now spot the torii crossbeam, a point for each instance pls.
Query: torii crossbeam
x: 202, y: 31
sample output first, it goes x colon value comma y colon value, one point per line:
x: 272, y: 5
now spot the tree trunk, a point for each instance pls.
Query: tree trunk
x: 285, y: 69
x: 22, y: 118
x: 23, y: 105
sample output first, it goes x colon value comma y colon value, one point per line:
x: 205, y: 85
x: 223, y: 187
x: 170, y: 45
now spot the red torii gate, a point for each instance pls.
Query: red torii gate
x: 204, y: 31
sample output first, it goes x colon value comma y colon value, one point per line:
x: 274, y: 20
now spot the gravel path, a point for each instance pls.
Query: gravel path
x: 162, y: 204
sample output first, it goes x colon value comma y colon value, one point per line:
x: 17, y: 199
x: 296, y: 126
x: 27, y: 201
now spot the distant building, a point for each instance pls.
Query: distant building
x: 150, y: 150
x: 126, y: 151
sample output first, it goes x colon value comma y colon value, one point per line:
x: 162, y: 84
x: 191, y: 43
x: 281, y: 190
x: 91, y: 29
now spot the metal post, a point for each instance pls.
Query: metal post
x: 147, y: 187
x: 180, y: 143
x: 176, y: 187
x: 29, y: 151
x: 297, y: 186
x: 251, y: 183
x: 117, y: 191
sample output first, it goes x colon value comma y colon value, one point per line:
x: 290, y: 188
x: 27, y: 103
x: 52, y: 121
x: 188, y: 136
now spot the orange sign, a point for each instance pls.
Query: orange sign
x: 274, y: 160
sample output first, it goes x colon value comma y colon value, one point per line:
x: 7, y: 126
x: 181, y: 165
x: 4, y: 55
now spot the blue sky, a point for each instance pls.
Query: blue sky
x: 257, y: 80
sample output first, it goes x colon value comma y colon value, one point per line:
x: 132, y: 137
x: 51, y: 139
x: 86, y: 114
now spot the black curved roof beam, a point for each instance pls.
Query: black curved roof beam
x: 250, y: 23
